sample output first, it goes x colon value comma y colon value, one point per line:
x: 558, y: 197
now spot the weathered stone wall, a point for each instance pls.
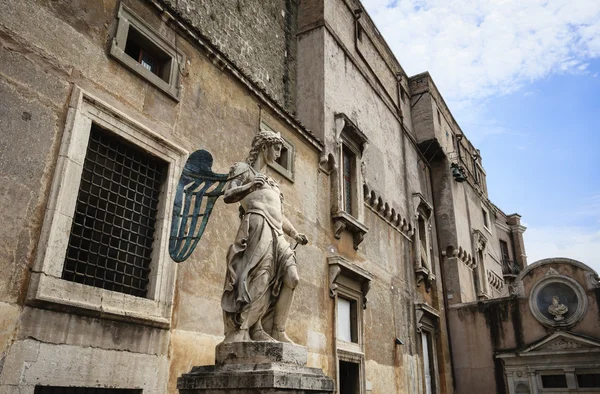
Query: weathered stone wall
x: 393, y: 170
x: 48, y: 48
x: 258, y: 36
x: 484, y: 329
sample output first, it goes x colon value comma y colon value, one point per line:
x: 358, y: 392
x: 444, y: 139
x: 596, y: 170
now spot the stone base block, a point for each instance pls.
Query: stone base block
x: 256, y: 367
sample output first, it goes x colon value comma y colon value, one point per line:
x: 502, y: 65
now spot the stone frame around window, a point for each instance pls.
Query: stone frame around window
x: 427, y: 319
x: 127, y: 19
x: 348, y: 281
x: 349, y: 136
x: 423, y: 211
x: 47, y: 288
x: 285, y: 169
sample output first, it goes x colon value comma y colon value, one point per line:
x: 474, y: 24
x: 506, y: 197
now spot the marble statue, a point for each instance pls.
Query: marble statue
x: 557, y: 310
x: 261, y: 265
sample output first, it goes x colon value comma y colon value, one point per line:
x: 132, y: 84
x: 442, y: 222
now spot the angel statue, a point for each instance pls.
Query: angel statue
x: 261, y: 265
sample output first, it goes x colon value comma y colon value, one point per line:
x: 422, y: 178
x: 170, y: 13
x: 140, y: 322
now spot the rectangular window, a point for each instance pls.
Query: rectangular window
x: 111, y: 239
x: 348, y: 162
x: 148, y: 54
x: 347, y: 320
x: 588, y: 380
x: 284, y: 165
x: 428, y: 362
x: 554, y: 381
x: 486, y: 221
x: 504, y: 251
x: 83, y: 390
x: 104, y: 242
x: 439, y: 116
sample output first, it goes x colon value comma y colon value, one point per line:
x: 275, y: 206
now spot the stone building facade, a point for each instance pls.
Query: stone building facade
x: 101, y: 104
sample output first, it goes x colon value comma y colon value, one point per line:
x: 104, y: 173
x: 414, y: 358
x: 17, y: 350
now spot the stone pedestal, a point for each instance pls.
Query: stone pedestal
x: 256, y: 367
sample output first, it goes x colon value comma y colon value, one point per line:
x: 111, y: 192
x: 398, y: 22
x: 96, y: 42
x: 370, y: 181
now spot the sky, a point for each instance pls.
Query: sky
x: 522, y: 79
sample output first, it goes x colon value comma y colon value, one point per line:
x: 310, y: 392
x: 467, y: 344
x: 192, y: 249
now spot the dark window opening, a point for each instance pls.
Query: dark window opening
x: 83, y: 390
x: 588, y: 380
x: 504, y: 251
x: 148, y: 54
x: 485, y: 218
x: 439, y: 117
x: 283, y: 159
x: 554, y: 381
x: 423, y: 242
x: 349, y: 378
x: 348, y: 159
x: 112, y: 235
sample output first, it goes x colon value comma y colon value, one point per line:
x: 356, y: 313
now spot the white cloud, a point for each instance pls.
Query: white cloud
x: 477, y: 49
x: 573, y: 242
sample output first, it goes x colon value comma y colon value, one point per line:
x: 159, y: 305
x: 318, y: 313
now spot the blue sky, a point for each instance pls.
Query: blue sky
x: 522, y: 78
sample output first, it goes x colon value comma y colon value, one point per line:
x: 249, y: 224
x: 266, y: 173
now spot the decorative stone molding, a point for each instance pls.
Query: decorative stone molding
x: 461, y: 254
x: 495, y: 280
x: 479, y: 240
x: 342, y: 221
x: 349, y: 139
x: 376, y: 203
x: 340, y: 267
x: 427, y: 317
x: 562, y: 344
x: 422, y: 211
x: 557, y: 300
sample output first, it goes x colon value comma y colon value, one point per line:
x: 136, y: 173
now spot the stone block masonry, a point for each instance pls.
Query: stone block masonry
x: 258, y: 37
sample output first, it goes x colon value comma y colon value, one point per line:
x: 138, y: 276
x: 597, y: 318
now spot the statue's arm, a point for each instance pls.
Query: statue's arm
x: 290, y: 230
x: 235, y: 191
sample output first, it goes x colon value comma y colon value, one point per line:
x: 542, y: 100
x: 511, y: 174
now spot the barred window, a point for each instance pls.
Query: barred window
x: 83, y: 390
x: 110, y: 244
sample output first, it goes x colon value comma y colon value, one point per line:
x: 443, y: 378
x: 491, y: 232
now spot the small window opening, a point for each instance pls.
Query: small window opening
x: 485, y: 218
x: 348, y: 164
x: 554, y: 381
x: 439, y: 117
x: 588, y: 380
x: 148, y: 54
x: 349, y: 377
x: 283, y: 159
x: 504, y: 251
x: 347, y: 321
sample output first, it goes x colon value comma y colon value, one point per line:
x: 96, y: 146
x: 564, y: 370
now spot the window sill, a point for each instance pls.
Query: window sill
x: 289, y: 175
x: 344, y: 221
x: 156, y: 81
x: 56, y: 293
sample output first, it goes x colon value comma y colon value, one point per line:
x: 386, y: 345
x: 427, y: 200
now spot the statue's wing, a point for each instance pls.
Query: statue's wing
x: 197, y: 191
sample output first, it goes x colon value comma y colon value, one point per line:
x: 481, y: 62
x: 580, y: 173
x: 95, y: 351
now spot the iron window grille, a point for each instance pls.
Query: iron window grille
x: 110, y: 244
x: 83, y: 390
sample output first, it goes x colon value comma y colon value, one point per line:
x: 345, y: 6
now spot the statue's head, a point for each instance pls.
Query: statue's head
x: 266, y: 142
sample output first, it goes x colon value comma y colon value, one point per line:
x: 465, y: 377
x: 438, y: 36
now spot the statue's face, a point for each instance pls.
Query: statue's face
x: 271, y: 153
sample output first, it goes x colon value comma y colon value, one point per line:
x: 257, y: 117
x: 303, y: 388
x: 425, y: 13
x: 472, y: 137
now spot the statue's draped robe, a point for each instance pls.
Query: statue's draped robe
x: 256, y: 263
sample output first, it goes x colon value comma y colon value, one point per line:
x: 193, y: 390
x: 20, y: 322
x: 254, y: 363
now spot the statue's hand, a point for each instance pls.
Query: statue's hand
x: 259, y: 181
x: 301, y: 239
